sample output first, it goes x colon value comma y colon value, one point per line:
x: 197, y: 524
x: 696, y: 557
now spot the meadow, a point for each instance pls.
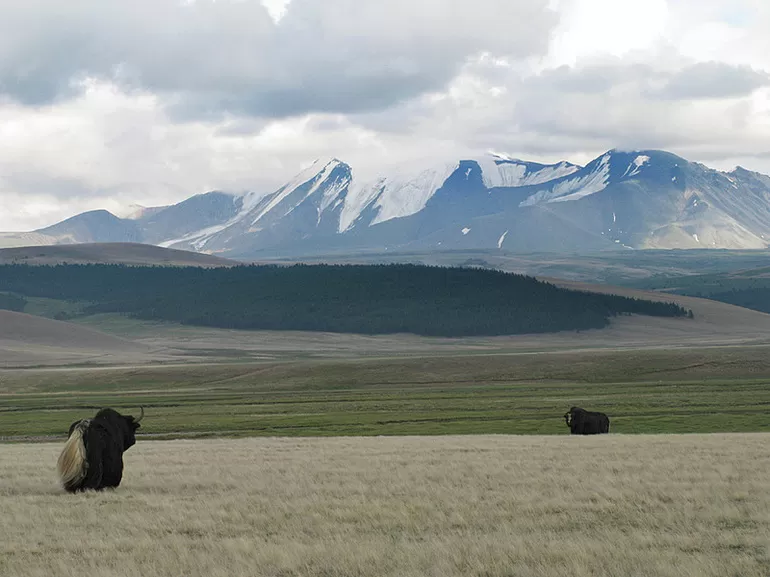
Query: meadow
x: 529, y: 506
x: 718, y: 389
x: 377, y: 456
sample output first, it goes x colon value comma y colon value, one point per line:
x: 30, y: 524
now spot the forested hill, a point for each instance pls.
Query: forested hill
x: 354, y: 299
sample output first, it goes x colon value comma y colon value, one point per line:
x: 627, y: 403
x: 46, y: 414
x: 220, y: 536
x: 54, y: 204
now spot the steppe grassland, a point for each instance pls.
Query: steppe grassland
x: 444, y: 506
x: 688, y: 390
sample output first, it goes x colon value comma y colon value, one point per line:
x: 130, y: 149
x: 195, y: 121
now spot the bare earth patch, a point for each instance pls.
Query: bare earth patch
x: 616, y: 505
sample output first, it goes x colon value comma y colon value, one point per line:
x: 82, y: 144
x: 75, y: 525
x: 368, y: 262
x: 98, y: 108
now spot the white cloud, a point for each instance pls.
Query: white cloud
x: 106, y: 103
x: 276, y: 8
x: 207, y: 58
x: 596, y: 28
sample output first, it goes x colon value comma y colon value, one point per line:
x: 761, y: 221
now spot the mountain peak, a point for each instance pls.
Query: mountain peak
x: 503, y: 157
x: 644, y: 198
x: 321, y: 162
x: 739, y: 170
x: 131, y: 211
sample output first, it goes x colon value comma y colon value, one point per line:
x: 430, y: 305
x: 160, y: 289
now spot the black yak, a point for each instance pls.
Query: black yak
x: 92, y: 458
x: 582, y: 422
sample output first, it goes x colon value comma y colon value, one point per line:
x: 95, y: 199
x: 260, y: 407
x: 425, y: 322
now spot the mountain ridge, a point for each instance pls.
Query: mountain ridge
x: 621, y: 200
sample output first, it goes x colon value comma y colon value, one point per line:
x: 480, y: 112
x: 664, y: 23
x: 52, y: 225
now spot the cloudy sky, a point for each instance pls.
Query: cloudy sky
x: 105, y: 103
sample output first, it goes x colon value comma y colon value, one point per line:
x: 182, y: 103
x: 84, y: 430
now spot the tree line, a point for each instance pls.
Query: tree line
x: 367, y: 299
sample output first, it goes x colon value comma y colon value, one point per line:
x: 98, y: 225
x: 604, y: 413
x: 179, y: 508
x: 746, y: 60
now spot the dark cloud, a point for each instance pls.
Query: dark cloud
x: 596, y: 107
x: 636, y: 102
x: 588, y: 79
x: 702, y: 80
x: 713, y: 80
x: 208, y: 58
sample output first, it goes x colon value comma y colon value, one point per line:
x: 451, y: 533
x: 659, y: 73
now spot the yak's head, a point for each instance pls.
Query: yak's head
x: 131, y: 425
x: 125, y: 424
x: 568, y: 415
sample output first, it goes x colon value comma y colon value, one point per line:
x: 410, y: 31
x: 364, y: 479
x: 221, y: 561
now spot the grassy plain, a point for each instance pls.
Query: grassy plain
x: 529, y: 506
x: 492, y: 486
x: 718, y: 389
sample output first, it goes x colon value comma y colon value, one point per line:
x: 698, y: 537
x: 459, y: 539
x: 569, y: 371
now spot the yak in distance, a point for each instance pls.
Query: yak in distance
x: 582, y: 422
x: 92, y: 458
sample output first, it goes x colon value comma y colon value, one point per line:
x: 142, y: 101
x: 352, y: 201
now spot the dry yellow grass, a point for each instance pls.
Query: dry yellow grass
x: 616, y: 505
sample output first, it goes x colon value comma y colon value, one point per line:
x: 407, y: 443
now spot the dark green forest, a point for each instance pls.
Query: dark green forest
x: 365, y: 299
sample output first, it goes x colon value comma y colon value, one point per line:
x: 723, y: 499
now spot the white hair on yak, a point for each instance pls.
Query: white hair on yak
x: 72, y: 464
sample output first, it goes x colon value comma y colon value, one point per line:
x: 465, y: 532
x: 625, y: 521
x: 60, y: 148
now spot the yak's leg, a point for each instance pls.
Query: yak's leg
x: 93, y: 478
x: 113, y: 469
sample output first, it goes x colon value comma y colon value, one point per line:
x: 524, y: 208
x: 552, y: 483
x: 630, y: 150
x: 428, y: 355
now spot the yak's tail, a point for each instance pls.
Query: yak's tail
x: 72, y: 463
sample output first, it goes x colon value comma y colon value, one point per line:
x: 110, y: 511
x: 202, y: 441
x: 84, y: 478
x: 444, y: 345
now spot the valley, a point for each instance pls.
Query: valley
x: 653, y: 374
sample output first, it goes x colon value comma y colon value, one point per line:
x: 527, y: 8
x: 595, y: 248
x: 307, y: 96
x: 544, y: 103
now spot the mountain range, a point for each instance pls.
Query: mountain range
x: 621, y: 200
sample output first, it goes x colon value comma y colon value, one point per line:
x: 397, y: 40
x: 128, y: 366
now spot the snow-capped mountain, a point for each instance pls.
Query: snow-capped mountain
x: 622, y: 199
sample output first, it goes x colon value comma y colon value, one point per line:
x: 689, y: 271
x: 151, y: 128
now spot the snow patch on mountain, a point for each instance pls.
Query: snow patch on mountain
x: 360, y: 195
x: 550, y: 173
x: 635, y: 167
x: 320, y: 180
x: 498, y: 173
x: 574, y: 188
x: 317, y: 171
x: 332, y: 193
x: 408, y: 193
x: 197, y: 239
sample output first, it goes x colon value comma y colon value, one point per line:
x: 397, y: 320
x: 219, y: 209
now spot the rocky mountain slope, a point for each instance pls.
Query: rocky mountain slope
x: 621, y: 200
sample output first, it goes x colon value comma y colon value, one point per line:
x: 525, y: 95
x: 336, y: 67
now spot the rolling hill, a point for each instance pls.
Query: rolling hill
x: 31, y: 340
x: 109, y: 253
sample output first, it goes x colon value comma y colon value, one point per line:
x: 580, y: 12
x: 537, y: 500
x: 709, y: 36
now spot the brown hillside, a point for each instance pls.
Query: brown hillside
x: 29, y: 340
x: 109, y: 253
x: 714, y: 323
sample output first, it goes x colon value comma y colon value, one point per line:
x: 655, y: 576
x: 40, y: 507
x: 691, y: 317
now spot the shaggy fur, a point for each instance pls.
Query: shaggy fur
x: 92, y: 458
x: 72, y: 464
x: 582, y: 422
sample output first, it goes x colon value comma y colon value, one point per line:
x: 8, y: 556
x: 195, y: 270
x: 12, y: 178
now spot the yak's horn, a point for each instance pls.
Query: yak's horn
x: 141, y: 416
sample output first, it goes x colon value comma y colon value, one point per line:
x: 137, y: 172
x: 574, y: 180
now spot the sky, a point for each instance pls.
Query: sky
x: 108, y: 103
